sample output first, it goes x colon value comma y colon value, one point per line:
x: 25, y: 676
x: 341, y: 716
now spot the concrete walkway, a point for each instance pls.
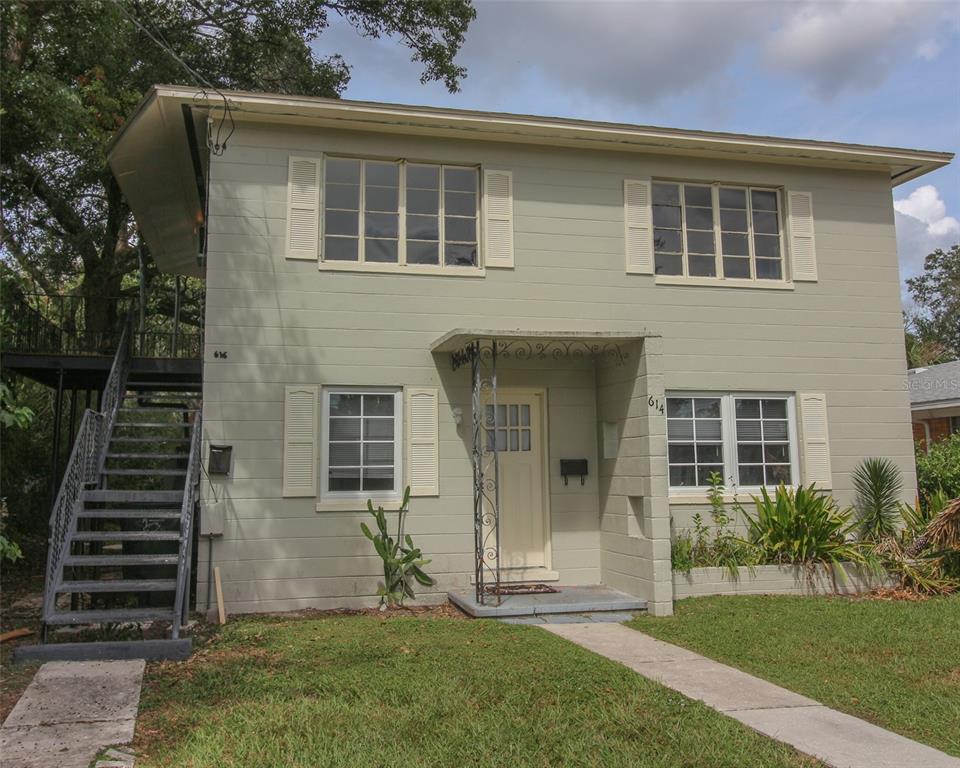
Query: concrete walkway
x: 71, y: 711
x: 837, y: 739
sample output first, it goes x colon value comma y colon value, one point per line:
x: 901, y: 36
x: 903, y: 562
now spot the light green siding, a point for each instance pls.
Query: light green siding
x: 284, y: 322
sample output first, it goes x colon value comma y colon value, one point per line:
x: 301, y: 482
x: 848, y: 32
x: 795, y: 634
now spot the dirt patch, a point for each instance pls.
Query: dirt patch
x: 892, y: 594
x: 20, y: 605
x: 441, y: 611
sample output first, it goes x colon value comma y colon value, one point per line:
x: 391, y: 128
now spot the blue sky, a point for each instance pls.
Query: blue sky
x: 869, y: 71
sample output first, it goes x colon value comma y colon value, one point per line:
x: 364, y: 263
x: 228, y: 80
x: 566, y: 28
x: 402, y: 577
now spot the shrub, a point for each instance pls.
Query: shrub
x: 940, y: 469
x: 716, y: 547
x: 878, y: 484
x: 803, y: 527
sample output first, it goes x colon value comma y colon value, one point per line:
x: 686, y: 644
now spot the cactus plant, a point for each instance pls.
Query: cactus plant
x: 401, y: 560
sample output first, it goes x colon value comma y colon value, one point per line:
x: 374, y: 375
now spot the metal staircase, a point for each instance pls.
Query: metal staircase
x: 121, y: 531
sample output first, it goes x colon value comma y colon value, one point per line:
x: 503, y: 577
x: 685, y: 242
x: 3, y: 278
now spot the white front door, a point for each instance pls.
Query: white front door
x: 523, y: 524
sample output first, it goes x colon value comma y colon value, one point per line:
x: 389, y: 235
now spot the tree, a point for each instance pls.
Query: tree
x: 934, y: 329
x: 72, y: 72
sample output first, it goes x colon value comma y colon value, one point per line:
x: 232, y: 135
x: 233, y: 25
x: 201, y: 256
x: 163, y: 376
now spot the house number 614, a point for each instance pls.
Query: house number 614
x: 655, y: 403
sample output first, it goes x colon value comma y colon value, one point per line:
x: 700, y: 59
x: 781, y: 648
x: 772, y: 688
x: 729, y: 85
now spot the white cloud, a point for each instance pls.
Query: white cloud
x: 843, y: 45
x: 929, y: 49
x: 638, y: 55
x: 925, y: 204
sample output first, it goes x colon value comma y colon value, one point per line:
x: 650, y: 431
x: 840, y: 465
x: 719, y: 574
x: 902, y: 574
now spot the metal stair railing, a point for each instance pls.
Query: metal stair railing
x: 83, y: 469
x: 190, y: 488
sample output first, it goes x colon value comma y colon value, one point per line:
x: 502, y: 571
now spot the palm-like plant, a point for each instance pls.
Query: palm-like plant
x: 878, y: 485
x: 803, y: 527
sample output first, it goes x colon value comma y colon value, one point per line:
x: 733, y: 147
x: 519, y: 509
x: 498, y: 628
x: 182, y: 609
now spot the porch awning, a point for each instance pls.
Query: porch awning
x: 467, y: 343
x: 458, y: 338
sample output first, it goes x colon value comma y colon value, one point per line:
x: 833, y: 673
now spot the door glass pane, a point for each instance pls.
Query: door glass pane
x: 525, y: 415
x: 524, y: 439
x: 514, y: 440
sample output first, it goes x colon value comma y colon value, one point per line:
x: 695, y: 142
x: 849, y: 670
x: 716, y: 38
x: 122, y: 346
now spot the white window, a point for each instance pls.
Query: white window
x: 362, y: 432
x: 749, y: 439
x: 411, y: 215
x: 717, y: 231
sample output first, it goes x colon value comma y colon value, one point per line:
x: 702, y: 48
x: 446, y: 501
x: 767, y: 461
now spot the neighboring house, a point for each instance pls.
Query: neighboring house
x: 935, y: 402
x: 552, y: 330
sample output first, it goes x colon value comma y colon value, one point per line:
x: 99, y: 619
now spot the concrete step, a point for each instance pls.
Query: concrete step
x: 119, y: 585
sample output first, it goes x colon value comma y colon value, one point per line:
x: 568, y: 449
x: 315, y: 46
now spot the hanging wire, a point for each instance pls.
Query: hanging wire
x: 216, y: 140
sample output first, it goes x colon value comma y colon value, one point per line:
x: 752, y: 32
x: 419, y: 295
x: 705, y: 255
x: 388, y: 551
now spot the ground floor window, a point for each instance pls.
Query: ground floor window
x: 749, y: 439
x: 361, y: 443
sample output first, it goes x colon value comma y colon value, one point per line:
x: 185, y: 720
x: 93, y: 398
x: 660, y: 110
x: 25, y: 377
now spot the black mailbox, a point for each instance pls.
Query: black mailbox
x: 219, y: 461
x: 573, y: 467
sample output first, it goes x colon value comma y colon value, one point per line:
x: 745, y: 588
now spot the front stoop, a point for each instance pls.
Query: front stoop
x: 588, y: 599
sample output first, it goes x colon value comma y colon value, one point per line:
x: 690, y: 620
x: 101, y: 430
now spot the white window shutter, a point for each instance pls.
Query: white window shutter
x: 498, y: 218
x: 300, y: 440
x: 803, y: 251
x: 423, y: 444
x: 303, y: 208
x: 816, y: 442
x: 638, y: 218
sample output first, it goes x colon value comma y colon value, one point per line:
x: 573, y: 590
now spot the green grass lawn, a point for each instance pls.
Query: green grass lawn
x: 896, y: 664
x: 415, y: 691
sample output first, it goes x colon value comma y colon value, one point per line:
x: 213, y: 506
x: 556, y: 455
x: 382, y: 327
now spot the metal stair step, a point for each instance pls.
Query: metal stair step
x: 157, y: 439
x: 130, y: 514
x: 164, y: 386
x: 103, y: 560
x: 132, y: 496
x: 156, y: 408
x: 126, y: 536
x: 115, y: 615
x: 146, y: 472
x: 119, y: 585
x: 148, y: 455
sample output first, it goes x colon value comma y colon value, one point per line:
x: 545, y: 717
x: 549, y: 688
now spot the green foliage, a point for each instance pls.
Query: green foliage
x: 11, y: 414
x: 936, y: 293
x: 803, y: 526
x: 401, y: 560
x: 716, y: 546
x: 878, y: 485
x: 9, y: 550
x: 681, y: 552
x: 939, y: 470
x: 73, y: 72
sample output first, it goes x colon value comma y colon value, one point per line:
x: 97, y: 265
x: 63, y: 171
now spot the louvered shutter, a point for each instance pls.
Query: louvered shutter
x: 300, y: 440
x: 303, y: 208
x: 638, y: 218
x: 498, y: 218
x: 816, y: 441
x: 803, y: 251
x: 423, y: 444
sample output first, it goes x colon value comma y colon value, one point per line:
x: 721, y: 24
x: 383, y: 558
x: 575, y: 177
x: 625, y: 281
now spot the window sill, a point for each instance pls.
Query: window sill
x: 357, y: 505
x: 767, y: 285
x: 395, y: 269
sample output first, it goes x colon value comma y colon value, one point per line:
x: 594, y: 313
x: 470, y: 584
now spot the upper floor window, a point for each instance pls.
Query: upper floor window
x: 398, y: 213
x: 717, y: 231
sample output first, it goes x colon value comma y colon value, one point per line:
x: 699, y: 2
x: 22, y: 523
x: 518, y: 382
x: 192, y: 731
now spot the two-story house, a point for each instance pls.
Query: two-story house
x: 552, y: 330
